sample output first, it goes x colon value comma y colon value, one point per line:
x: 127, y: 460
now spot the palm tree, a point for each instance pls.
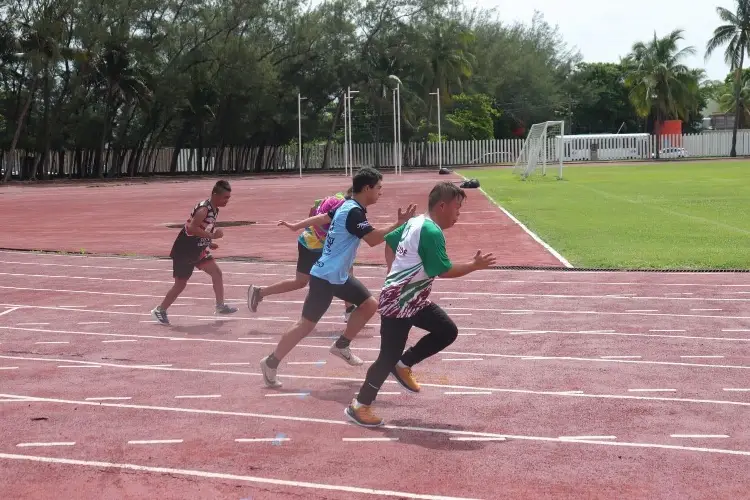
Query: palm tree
x: 735, y: 34
x: 660, y: 85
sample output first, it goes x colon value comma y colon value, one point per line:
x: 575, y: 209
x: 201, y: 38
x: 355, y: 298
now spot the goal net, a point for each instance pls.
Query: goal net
x: 543, y: 146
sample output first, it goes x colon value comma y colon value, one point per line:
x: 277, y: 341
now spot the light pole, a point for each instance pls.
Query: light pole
x: 299, y: 130
x: 397, y: 153
x: 349, y: 93
x: 440, y: 135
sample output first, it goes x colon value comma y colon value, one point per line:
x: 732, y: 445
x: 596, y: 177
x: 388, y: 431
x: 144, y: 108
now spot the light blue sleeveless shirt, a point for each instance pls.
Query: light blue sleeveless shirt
x: 340, y: 248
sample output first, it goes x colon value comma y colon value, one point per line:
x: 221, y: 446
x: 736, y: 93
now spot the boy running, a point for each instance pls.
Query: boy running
x: 191, y: 249
x: 415, y: 254
x: 330, y: 275
x: 309, y: 250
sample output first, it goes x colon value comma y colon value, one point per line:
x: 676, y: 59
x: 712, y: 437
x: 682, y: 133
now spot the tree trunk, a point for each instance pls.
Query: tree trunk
x: 737, y: 92
x: 17, y: 134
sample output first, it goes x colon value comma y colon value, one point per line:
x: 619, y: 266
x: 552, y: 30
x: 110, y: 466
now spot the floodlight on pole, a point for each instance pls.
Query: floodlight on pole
x: 440, y: 135
x: 299, y: 130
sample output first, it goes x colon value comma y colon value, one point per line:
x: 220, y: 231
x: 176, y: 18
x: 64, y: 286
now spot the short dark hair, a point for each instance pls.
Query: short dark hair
x: 445, y: 192
x: 366, y: 176
x: 221, y: 187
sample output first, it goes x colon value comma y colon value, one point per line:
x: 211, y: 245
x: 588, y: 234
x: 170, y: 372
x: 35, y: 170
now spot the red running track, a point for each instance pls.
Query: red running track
x: 131, y: 218
x: 566, y: 367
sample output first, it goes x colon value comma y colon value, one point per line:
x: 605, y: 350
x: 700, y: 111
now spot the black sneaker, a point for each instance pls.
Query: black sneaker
x: 160, y: 315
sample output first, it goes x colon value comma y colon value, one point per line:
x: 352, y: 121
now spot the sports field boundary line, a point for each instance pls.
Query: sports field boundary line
x: 528, y: 231
x: 259, y: 260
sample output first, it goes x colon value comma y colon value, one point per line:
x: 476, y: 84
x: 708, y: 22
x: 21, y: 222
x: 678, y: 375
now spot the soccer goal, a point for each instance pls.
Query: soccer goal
x: 543, y: 145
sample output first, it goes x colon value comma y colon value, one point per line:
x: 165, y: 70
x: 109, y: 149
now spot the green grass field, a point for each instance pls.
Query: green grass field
x: 675, y: 215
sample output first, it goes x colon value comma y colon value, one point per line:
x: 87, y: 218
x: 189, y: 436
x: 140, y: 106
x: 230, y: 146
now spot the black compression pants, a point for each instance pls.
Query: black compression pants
x: 442, y: 331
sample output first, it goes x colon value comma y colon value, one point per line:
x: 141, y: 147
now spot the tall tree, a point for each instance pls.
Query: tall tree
x: 735, y: 34
x: 661, y: 86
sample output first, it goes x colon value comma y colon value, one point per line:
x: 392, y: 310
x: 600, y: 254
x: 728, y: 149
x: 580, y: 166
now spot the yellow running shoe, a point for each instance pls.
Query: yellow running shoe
x: 405, y: 378
x: 362, y: 415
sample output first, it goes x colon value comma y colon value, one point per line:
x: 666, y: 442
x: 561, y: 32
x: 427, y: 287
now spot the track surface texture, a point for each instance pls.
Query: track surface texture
x: 131, y: 218
x: 560, y: 385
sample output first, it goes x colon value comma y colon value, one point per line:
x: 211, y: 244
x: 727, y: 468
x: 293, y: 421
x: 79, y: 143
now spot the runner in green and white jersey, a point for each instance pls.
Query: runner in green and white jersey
x: 416, y: 255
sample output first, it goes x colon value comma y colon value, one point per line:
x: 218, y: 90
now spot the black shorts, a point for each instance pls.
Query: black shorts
x: 321, y: 294
x: 183, y: 268
x: 306, y: 259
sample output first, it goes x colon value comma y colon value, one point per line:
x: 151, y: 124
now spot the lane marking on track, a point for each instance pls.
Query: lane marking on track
x: 700, y: 436
x: 261, y: 440
x: 8, y: 311
x: 32, y: 324
x: 464, y: 438
x: 652, y: 390
x: 737, y: 389
x: 52, y: 342
x: 8, y: 368
x: 156, y: 441
x: 79, y: 366
x: 375, y: 439
x: 198, y: 396
x: 59, y: 443
x: 110, y: 398
x: 441, y: 386
x: 702, y: 357
x: 596, y: 438
x: 94, y: 323
x: 620, y: 357
x: 467, y: 393
x: 118, y: 341
x: 226, y: 477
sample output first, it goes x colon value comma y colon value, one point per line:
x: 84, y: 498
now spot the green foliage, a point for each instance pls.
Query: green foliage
x: 472, y: 117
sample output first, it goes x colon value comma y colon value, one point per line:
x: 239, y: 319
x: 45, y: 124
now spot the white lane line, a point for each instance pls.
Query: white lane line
x: 8, y: 368
x: 227, y: 477
x: 153, y: 366
x: 279, y: 395
x: 652, y: 390
x: 79, y: 366
x: 464, y: 393
x: 359, y: 380
x: 704, y: 309
x: 306, y: 363
x: 699, y: 436
x: 702, y: 357
x: 32, y: 324
x: 229, y: 364
x: 53, y: 342
x: 94, y: 323
x: 59, y: 443
x: 261, y: 440
x: 736, y: 389
x: 666, y: 331
x: 198, y: 396
x: 467, y: 334
x: 8, y: 311
x: 71, y: 307
x: 376, y: 439
x: 621, y: 357
x: 588, y: 437
x: 110, y: 398
x: 737, y: 330
x: 156, y: 441
x: 641, y: 310
x: 464, y: 438
x: 118, y: 341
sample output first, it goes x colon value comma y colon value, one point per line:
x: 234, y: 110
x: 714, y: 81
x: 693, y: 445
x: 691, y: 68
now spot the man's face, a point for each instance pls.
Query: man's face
x: 374, y: 193
x: 222, y: 198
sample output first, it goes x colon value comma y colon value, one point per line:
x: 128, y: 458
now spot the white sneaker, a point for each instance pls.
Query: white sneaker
x: 269, y: 374
x: 346, y: 354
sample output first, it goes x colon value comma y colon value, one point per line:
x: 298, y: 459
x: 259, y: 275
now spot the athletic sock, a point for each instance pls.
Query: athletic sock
x: 343, y: 342
x: 272, y: 362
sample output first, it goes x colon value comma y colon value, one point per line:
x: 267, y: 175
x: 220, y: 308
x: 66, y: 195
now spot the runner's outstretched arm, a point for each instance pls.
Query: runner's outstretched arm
x: 376, y: 237
x: 478, y: 262
x: 317, y: 220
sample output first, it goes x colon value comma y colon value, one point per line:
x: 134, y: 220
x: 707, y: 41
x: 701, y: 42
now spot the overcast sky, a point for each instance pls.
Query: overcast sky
x: 604, y: 30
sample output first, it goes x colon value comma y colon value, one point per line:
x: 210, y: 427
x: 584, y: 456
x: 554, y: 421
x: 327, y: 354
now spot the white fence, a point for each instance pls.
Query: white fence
x: 709, y: 144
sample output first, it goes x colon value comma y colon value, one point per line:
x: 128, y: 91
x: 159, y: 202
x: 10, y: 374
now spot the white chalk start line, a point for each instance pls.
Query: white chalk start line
x: 60, y: 443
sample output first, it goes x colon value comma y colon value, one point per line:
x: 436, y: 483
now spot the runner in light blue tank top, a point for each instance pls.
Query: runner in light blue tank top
x: 341, y: 244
